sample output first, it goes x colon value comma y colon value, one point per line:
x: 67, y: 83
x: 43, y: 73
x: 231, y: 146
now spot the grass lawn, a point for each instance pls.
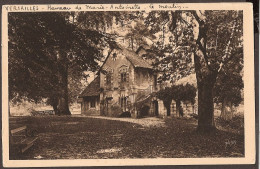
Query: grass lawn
x: 65, y: 137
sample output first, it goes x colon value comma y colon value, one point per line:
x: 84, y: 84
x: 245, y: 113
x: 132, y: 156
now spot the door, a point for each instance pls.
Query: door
x: 156, y: 112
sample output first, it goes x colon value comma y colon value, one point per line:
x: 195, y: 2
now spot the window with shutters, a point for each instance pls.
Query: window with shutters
x: 123, y: 76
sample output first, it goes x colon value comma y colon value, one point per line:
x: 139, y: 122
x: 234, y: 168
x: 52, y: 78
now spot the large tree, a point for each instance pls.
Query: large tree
x: 43, y: 49
x: 200, y: 33
x: 212, y: 52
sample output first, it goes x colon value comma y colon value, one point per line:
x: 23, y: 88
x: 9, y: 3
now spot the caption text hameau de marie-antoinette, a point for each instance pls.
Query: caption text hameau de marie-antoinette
x: 32, y: 8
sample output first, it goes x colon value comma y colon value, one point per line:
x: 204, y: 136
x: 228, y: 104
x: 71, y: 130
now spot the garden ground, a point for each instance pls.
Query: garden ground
x: 78, y: 137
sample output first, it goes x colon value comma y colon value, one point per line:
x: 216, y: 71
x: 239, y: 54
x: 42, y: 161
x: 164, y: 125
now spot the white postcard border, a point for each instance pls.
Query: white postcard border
x: 249, y: 87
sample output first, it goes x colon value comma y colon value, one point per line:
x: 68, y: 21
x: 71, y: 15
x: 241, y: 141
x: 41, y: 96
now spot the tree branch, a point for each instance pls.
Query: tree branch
x: 205, y: 56
x: 227, y: 49
x: 198, y: 42
x: 184, y: 21
x: 196, y: 17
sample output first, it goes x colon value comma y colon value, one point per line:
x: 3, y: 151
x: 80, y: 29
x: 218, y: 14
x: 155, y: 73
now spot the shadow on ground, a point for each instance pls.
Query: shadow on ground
x: 66, y: 137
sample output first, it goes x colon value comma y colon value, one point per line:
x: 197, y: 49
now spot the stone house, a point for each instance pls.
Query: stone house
x: 89, y: 98
x: 123, y: 81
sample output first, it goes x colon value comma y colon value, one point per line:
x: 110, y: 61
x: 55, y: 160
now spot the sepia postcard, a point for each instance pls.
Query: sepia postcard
x: 128, y: 84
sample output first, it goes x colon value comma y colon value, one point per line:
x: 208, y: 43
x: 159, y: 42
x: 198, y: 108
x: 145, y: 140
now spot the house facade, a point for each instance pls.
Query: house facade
x: 125, y: 83
x: 125, y: 79
x: 89, y: 98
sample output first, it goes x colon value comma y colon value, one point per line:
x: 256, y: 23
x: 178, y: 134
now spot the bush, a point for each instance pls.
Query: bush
x: 195, y: 116
x: 91, y: 112
x: 144, y: 111
x: 125, y: 114
x: 236, y: 123
x: 115, y: 111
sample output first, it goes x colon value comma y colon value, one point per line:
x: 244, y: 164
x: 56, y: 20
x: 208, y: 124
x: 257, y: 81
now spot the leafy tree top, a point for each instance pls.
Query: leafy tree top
x: 185, y: 29
x: 42, y: 46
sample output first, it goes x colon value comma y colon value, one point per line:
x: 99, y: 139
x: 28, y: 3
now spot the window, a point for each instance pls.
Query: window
x: 114, y: 56
x: 123, y: 77
x: 93, y: 103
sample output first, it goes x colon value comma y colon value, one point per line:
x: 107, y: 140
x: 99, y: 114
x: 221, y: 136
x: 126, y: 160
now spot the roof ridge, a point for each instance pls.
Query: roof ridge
x: 139, y: 62
x: 92, y: 89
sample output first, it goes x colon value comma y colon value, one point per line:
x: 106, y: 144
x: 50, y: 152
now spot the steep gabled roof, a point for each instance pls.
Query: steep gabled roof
x: 136, y: 60
x: 132, y: 56
x: 142, y: 47
x: 92, y: 89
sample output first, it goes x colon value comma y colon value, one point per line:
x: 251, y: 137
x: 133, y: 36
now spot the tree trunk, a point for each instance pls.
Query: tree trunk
x: 168, y: 110
x: 63, y: 106
x: 168, y: 107
x: 54, y: 105
x: 205, y: 82
x: 226, y: 110
x: 205, y: 107
x: 178, y: 106
x: 63, y: 101
x: 163, y: 30
x: 206, y: 74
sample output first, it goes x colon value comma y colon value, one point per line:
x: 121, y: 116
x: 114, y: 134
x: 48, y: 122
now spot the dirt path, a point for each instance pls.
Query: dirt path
x: 145, y: 122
